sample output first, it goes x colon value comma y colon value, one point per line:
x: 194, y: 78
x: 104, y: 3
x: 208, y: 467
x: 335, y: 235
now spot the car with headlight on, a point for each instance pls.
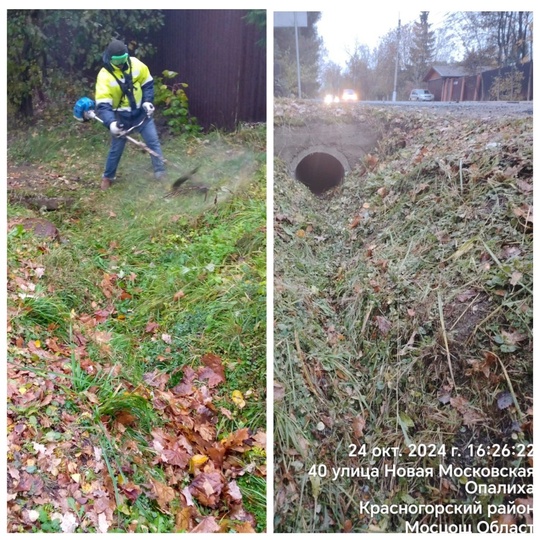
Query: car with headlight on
x: 349, y: 95
x: 419, y: 94
x: 331, y: 98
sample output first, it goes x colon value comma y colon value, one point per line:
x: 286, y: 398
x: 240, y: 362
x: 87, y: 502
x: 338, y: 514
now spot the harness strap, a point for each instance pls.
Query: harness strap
x: 126, y: 86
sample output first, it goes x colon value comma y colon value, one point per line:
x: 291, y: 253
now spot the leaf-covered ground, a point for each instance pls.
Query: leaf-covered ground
x: 136, y: 338
x: 403, y: 313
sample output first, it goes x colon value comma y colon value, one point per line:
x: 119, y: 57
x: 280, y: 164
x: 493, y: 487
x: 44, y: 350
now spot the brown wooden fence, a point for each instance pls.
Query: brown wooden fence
x: 223, y: 60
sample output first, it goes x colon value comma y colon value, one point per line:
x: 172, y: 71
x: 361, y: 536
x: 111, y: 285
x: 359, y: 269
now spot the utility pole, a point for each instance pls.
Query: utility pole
x: 293, y: 19
x: 394, y: 93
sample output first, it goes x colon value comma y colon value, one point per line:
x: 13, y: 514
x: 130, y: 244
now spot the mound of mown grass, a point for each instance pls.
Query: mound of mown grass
x: 403, y: 309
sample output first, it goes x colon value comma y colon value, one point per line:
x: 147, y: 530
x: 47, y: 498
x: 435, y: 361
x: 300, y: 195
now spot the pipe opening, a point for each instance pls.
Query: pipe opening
x: 320, y: 172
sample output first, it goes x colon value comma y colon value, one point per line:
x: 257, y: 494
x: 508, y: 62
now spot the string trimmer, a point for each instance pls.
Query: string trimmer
x: 84, y: 110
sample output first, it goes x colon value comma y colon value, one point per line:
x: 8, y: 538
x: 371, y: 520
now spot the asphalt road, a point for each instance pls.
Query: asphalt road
x: 512, y: 108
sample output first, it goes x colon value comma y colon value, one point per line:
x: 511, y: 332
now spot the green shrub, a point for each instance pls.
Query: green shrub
x: 174, y: 100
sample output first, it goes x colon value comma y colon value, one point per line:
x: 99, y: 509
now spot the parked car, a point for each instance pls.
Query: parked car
x: 349, y: 95
x: 419, y: 94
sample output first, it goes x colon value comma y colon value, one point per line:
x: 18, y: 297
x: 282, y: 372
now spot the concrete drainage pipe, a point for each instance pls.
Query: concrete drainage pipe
x: 319, y: 169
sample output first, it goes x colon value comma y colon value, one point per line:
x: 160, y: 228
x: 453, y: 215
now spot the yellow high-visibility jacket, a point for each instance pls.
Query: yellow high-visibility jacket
x: 110, y: 97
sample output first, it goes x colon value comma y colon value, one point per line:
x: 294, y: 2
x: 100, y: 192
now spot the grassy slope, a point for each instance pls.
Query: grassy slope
x: 104, y: 323
x: 403, y: 312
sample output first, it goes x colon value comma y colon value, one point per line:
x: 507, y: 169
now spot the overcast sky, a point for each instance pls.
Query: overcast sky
x: 342, y: 30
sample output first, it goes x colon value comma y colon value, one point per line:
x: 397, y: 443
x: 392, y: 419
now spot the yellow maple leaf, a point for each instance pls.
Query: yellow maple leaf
x: 238, y: 399
x: 196, y: 461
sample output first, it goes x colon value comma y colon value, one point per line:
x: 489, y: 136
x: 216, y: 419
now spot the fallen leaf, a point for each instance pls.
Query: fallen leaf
x: 207, y: 488
x: 196, y: 462
x: 259, y: 439
x: 130, y: 490
x: 383, y: 324
x: 512, y: 338
x: 355, y: 222
x: 236, y: 440
x: 233, y: 491
x: 225, y: 412
x: 206, y: 430
x: 176, y: 455
x: 315, y: 486
x: 504, y: 400
x: 215, y: 363
x: 371, y: 161
x: 163, y: 494
x: 279, y: 391
x: 524, y: 211
x: 238, y: 399
x: 68, y: 522
x: 523, y: 186
x: 125, y: 418
x: 209, y: 375
x: 186, y: 494
x: 179, y: 295
x: 515, y: 278
x: 444, y: 398
x: 156, y: 379
x: 506, y: 519
x: 33, y: 515
x: 510, y: 252
x: 466, y: 295
x: 184, y: 520
x: 358, y: 425
x: 207, y: 525
x: 244, y: 527
x: 103, y: 525
x: 470, y: 415
x: 151, y: 327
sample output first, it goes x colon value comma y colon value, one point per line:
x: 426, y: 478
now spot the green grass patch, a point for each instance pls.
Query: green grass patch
x: 115, y: 315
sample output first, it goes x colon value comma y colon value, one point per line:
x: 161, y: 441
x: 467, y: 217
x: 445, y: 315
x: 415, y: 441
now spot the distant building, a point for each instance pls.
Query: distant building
x: 456, y: 83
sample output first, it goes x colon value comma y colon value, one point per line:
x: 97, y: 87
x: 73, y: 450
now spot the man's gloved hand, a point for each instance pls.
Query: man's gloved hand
x: 116, y: 130
x: 149, y: 108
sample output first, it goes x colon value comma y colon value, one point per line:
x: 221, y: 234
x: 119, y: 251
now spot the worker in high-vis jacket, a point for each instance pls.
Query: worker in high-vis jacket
x: 124, y: 98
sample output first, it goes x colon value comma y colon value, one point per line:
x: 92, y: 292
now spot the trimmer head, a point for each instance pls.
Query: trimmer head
x: 184, y: 178
x: 176, y: 185
x: 84, y: 109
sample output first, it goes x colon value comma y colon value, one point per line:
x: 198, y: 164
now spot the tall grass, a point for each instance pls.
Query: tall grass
x: 192, y: 267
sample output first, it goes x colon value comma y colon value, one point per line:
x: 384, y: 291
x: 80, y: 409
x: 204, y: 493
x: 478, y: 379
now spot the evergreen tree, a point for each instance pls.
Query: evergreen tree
x: 422, y: 50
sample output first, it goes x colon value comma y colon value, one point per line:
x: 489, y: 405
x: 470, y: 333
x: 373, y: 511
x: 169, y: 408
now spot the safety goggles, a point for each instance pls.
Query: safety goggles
x: 119, y: 60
